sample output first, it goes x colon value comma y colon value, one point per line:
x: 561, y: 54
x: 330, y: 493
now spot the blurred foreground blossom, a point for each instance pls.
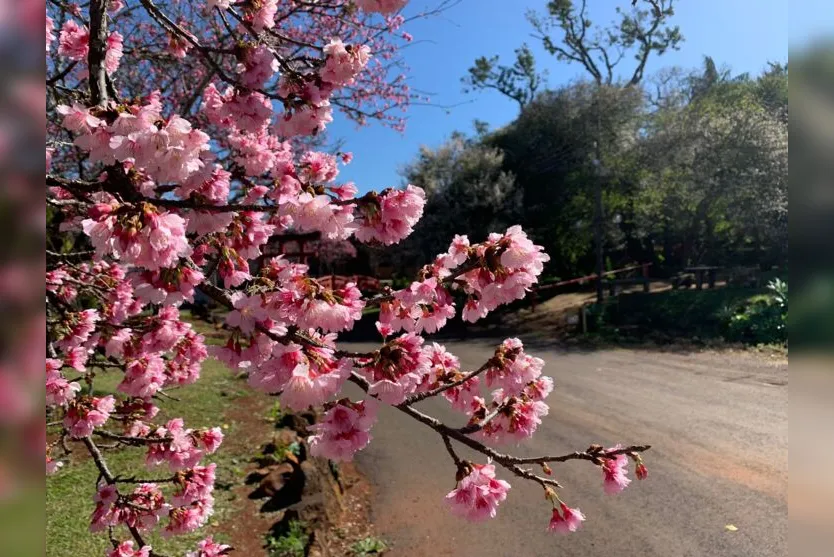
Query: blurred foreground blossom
x: 22, y: 334
x: 811, y: 323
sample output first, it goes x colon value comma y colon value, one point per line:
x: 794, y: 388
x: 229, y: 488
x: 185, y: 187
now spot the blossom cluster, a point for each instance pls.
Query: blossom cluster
x: 159, y: 203
x: 343, y: 430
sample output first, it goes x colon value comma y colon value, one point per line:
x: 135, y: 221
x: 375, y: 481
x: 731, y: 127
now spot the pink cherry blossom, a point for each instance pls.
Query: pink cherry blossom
x: 167, y: 286
x: 391, y: 216
x: 209, y: 548
x: 305, y: 376
x: 614, y: 472
x: 512, y: 368
x: 248, y: 311
x: 478, y: 494
x: 220, y: 4
x: 257, y: 66
x: 398, y: 369
x: 144, y: 377
x: 344, y: 62
x: 78, y: 327
x: 115, y: 346
x: 87, y: 414
x: 52, y: 465
x: 517, y: 420
x: 125, y: 549
x: 424, y: 306
x: 113, y: 54
x: 263, y: 16
x: 308, y: 120
x: 50, y: 36
x: 150, y: 239
x: 343, y: 430
x: 569, y: 520
x: 194, y: 485
x: 140, y: 509
x: 381, y: 6
x: 185, y: 448
x: 59, y: 391
x: 74, y: 41
x: 182, y: 520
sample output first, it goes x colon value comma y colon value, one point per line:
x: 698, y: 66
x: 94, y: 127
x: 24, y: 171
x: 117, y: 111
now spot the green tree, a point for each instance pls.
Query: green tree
x: 465, y: 183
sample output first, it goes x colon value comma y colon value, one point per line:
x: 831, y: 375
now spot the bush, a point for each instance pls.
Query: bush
x: 762, y: 319
x: 733, y: 314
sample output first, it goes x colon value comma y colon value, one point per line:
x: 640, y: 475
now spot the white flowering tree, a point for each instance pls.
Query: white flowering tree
x: 176, y: 150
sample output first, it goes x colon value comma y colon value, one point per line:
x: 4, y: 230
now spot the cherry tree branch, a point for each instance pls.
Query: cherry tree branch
x: 98, y: 47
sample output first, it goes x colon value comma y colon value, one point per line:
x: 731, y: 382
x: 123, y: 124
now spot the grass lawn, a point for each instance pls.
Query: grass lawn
x: 203, y: 404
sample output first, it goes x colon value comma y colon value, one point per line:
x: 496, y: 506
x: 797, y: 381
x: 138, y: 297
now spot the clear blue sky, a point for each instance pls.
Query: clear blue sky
x: 743, y: 34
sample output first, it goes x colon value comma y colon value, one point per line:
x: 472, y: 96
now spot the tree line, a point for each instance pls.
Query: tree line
x: 690, y: 166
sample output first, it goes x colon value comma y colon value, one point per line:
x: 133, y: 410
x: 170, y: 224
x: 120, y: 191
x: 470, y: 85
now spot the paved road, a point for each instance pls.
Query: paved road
x: 719, y: 428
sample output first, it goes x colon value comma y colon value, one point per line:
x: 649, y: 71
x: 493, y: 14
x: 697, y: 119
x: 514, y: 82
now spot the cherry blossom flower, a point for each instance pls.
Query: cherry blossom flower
x: 308, y: 120
x: 59, y: 391
x: 150, y: 239
x: 113, y: 54
x: 125, y: 549
x: 182, y: 520
x: 50, y: 36
x: 381, y: 6
x: 115, y: 346
x: 512, y: 369
x: 220, y: 4
x: 614, y: 473
x: 264, y: 15
x: 258, y: 64
x: 424, y: 306
x: 248, y: 311
x: 397, y: 369
x: 343, y: 430
x: 144, y: 377
x: 390, y: 216
x: 78, y: 327
x: 194, y: 485
x: 52, y: 465
x: 74, y: 41
x: 168, y: 287
x: 209, y: 548
x: 140, y: 509
x: 517, y: 420
x: 344, y: 62
x: 88, y: 413
x: 478, y: 493
x: 569, y: 520
x: 185, y: 448
x: 305, y: 376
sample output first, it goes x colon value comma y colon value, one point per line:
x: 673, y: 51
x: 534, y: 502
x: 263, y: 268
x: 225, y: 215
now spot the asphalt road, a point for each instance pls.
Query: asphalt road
x: 719, y: 429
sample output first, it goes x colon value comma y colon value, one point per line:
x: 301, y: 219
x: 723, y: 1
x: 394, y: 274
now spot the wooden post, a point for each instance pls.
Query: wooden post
x: 583, y: 320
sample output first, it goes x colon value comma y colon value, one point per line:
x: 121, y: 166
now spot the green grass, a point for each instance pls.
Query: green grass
x: 368, y: 546
x: 69, y: 493
x: 290, y: 543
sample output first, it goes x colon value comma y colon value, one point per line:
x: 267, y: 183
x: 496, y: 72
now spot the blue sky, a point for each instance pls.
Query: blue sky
x: 743, y: 34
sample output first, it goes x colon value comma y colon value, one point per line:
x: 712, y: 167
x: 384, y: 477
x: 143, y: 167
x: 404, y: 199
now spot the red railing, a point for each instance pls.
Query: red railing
x: 588, y: 278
